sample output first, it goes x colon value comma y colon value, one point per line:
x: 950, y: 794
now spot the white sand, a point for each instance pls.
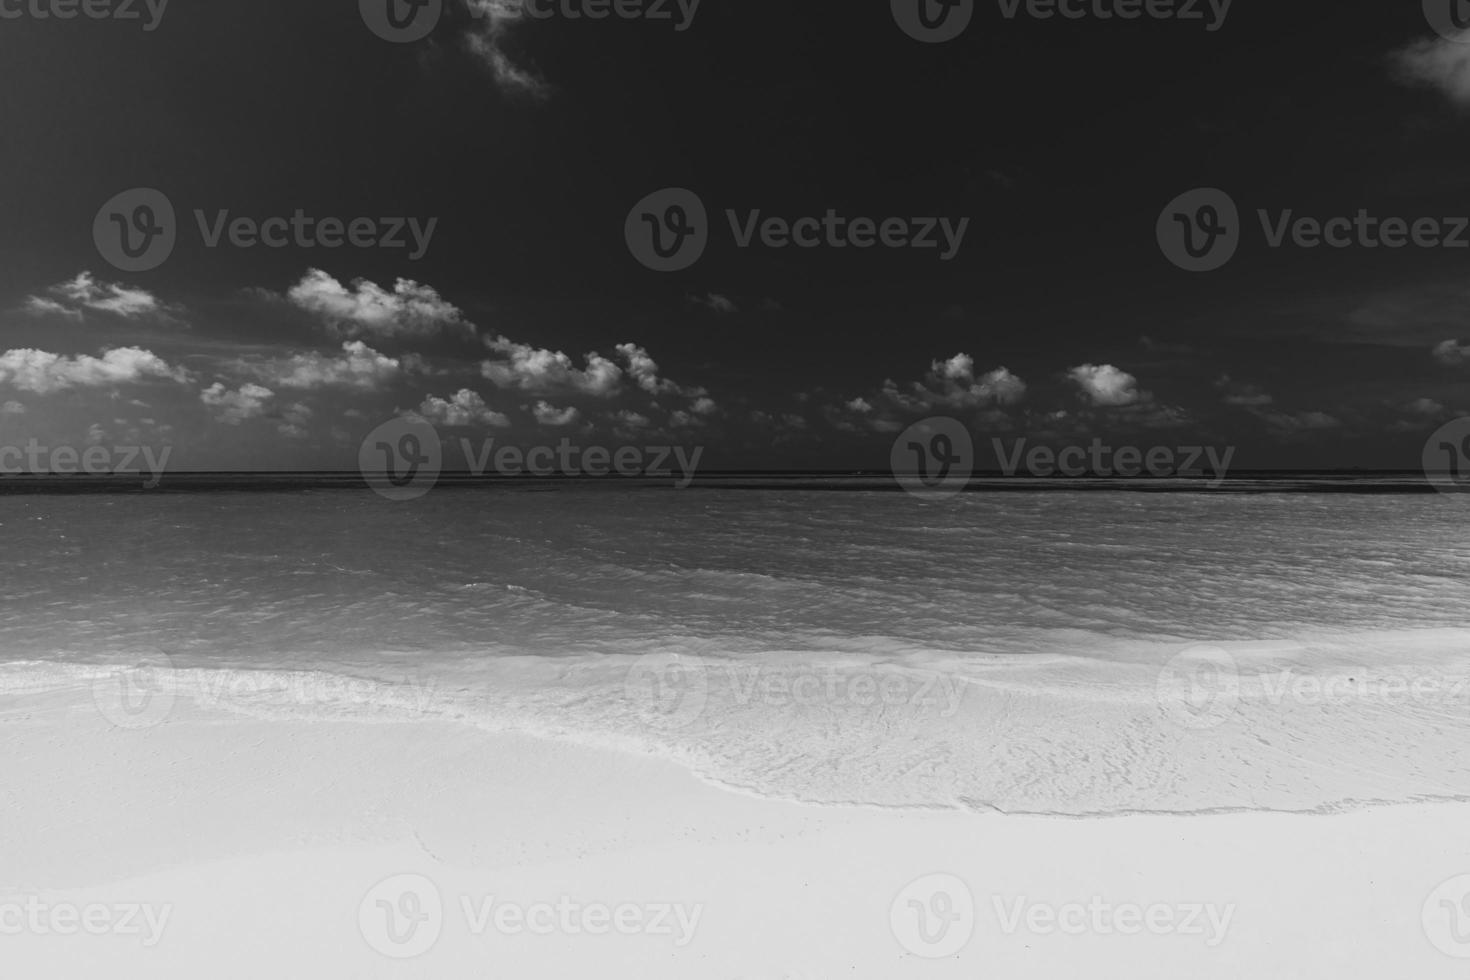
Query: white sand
x: 261, y: 840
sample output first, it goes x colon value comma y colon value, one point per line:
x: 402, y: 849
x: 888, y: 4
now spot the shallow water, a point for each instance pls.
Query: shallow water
x: 1020, y: 636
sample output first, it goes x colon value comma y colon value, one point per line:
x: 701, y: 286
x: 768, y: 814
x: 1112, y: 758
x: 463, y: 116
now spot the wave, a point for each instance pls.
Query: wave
x: 1096, y: 726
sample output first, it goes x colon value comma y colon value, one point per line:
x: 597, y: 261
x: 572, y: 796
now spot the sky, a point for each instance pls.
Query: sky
x: 1028, y: 183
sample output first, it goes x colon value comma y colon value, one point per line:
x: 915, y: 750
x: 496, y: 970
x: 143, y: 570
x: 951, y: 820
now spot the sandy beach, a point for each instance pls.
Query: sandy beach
x: 233, y: 847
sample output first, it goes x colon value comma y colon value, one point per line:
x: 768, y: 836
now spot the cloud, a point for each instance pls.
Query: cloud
x: 1243, y: 395
x: 716, y: 302
x: 548, y: 414
x: 234, y: 407
x: 1440, y: 64
x: 632, y: 420
x: 1300, y: 422
x: 462, y: 409
x: 12, y: 408
x: 681, y: 419
x: 86, y: 293
x: 367, y: 309
x: 359, y: 366
x: 293, y: 421
x: 494, y: 20
x: 952, y: 384
x: 948, y: 385
x: 527, y: 368
x: 1424, y: 406
x: 39, y: 306
x: 1107, y: 386
x: 1451, y: 353
x: 42, y: 372
x: 644, y: 370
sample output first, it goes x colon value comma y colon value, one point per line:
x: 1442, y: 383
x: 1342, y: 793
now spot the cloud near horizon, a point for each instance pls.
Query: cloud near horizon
x: 1106, y: 386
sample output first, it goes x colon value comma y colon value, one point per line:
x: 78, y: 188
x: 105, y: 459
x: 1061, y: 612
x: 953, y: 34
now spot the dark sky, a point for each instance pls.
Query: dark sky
x: 1061, y: 140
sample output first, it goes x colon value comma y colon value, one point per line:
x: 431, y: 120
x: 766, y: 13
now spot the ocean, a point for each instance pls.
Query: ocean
x: 1016, y: 652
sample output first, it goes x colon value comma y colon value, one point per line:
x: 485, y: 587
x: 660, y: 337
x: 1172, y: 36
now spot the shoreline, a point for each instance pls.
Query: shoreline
x: 293, y: 825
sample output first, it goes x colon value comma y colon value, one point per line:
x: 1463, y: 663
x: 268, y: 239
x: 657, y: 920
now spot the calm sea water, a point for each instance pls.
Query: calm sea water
x: 529, y: 610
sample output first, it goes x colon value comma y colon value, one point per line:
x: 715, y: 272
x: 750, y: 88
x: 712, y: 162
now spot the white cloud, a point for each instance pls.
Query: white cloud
x: 548, y: 414
x: 527, y: 368
x: 1451, y: 353
x: 39, y: 306
x: 1439, y: 64
x: 1105, y: 385
x: 358, y: 366
x: 644, y: 370
x: 464, y: 408
x: 1424, y: 406
x: 367, y: 309
x: 294, y: 420
x: 952, y: 384
x: 1243, y: 395
x: 43, y: 372
x: 1300, y: 422
x: 494, y: 19
x: 632, y: 420
x: 86, y: 293
x: 234, y: 407
x: 716, y: 302
x: 12, y: 408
